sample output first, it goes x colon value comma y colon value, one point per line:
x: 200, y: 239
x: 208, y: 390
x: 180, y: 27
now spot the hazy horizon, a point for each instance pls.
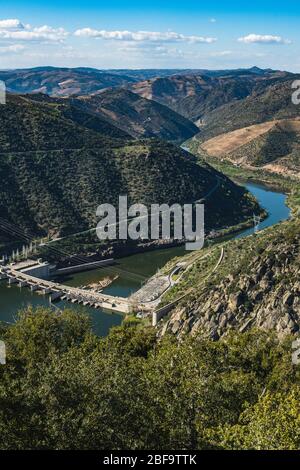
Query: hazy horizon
x: 131, y: 35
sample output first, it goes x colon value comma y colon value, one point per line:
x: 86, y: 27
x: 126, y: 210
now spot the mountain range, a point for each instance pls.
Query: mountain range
x: 196, y: 95
x: 60, y: 81
x: 105, y: 133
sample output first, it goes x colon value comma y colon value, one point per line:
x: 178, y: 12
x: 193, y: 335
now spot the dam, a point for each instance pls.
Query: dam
x: 59, y: 291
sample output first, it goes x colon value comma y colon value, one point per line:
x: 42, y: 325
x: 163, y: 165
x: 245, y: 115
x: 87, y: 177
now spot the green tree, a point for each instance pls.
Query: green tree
x: 65, y: 388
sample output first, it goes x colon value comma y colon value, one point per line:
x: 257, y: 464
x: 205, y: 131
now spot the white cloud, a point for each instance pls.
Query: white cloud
x: 44, y: 33
x: 263, y: 39
x: 14, y: 24
x: 14, y: 29
x: 213, y: 20
x: 140, y: 36
x: 14, y: 48
x: 150, y: 52
x: 221, y: 53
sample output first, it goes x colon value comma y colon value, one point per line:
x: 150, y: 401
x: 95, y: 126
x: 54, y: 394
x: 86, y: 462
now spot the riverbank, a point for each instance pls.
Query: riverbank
x: 256, y: 285
x: 286, y: 184
x: 204, y: 267
x: 133, y: 271
x: 278, y: 210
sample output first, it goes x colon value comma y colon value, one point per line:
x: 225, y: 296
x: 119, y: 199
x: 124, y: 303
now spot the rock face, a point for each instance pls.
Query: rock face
x: 259, y: 286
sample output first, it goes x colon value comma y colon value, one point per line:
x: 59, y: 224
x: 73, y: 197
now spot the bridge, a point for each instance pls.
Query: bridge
x: 72, y: 294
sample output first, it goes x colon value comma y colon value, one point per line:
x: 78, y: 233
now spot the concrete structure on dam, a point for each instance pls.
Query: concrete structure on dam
x: 59, y: 291
x: 35, y: 276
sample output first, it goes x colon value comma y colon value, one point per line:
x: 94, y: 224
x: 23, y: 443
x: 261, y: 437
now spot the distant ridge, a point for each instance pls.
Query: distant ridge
x: 138, y: 116
x: 195, y: 94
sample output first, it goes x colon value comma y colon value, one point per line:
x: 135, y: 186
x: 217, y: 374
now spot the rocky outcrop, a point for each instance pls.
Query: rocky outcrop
x: 261, y: 291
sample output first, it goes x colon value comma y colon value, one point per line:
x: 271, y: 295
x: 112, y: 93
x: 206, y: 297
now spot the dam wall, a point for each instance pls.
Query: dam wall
x: 84, y: 267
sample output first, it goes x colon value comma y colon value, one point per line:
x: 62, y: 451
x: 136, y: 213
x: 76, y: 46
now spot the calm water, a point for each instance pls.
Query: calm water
x: 132, y: 270
x: 273, y: 202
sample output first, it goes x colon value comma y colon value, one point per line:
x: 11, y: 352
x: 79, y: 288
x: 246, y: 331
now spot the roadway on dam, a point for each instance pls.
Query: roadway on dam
x: 134, y: 270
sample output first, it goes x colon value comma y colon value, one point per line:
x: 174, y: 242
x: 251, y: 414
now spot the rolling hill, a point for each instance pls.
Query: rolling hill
x: 57, y: 166
x: 60, y: 81
x: 196, y: 95
x: 138, y: 116
x: 118, y: 108
x: 273, y: 145
x: 263, y: 104
x: 261, y: 130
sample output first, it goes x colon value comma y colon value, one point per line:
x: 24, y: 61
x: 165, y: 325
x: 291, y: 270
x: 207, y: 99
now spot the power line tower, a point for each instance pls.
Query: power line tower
x: 256, y: 222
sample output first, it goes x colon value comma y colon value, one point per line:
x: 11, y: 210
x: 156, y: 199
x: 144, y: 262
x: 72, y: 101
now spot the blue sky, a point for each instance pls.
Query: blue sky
x: 150, y: 34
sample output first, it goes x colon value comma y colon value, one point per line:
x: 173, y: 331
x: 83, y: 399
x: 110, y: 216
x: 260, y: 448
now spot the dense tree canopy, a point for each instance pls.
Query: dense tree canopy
x: 64, y: 388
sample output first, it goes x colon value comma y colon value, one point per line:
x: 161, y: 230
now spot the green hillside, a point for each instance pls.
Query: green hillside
x: 264, y: 104
x: 37, y: 122
x: 278, y: 146
x: 256, y: 285
x: 56, y: 171
x: 138, y: 116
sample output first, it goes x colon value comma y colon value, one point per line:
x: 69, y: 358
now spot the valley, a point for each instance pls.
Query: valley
x: 149, y: 232
x: 80, y: 147
x: 139, y: 343
x: 138, y: 116
x: 247, y: 291
x: 135, y: 270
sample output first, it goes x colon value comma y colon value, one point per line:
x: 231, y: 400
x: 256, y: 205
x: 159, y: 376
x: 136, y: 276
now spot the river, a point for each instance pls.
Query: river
x: 133, y: 270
